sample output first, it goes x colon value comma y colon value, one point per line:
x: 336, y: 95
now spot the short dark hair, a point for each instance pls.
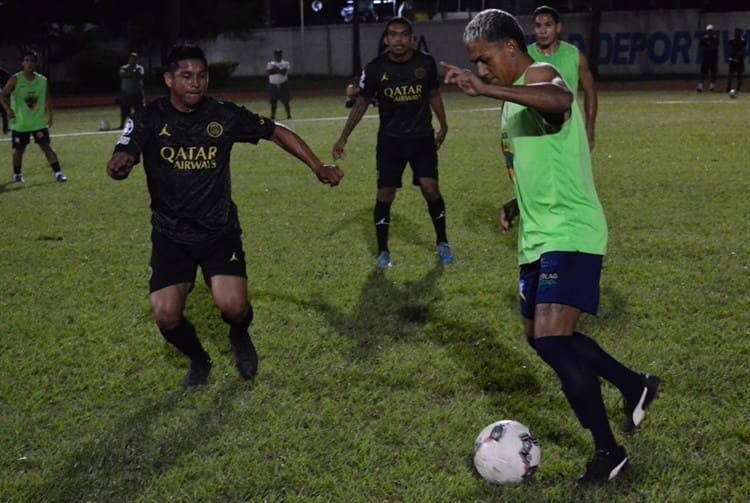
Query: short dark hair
x: 399, y: 20
x: 182, y: 52
x: 546, y: 9
x: 32, y: 53
x: 494, y: 25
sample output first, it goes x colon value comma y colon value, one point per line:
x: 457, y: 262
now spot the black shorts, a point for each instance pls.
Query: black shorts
x: 278, y: 92
x: 173, y: 263
x: 21, y: 140
x: 737, y: 66
x: 394, y: 152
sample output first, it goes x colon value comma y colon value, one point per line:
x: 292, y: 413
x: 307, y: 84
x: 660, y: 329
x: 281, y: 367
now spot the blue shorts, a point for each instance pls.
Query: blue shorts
x: 569, y: 278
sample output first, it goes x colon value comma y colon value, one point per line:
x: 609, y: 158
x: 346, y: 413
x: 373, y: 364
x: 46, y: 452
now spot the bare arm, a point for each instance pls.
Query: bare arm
x: 590, y: 103
x: 120, y: 165
x: 4, y: 96
x: 355, y: 115
x: 48, y: 108
x: 544, y: 90
x: 436, y: 103
x: 292, y: 143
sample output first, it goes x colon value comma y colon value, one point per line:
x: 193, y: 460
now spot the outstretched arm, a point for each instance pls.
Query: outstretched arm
x: 544, y: 89
x: 7, y: 90
x: 355, y: 115
x: 295, y: 145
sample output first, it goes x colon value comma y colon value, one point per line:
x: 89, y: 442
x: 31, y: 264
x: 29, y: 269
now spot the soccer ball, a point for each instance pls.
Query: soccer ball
x: 732, y: 93
x: 104, y: 125
x: 506, y: 452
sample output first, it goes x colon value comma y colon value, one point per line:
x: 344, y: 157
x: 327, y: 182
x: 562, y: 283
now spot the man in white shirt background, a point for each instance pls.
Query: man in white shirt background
x: 278, y: 89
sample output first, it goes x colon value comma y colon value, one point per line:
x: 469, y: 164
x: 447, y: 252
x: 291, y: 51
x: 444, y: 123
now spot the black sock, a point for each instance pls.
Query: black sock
x: 184, y: 338
x: 382, y: 219
x: 17, y: 170
x: 55, y: 167
x: 580, y: 386
x: 606, y: 367
x: 437, y: 212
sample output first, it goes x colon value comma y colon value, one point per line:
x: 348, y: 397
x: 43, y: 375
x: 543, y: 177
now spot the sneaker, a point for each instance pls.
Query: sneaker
x: 245, y: 356
x: 605, y: 466
x: 60, y: 177
x: 635, y: 409
x: 445, y: 253
x: 18, y: 178
x: 198, y: 373
x: 384, y: 260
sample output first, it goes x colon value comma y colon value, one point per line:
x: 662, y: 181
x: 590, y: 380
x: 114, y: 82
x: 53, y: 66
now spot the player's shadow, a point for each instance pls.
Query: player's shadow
x: 139, y: 448
x: 384, y: 311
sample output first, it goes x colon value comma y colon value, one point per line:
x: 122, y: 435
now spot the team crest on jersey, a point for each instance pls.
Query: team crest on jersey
x: 214, y: 129
x: 31, y: 101
x: 420, y: 73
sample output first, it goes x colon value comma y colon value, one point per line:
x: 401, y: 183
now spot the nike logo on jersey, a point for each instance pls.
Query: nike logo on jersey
x: 164, y: 131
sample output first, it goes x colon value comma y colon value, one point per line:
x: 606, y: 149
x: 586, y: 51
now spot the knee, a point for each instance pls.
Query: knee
x: 168, y: 316
x: 242, y: 317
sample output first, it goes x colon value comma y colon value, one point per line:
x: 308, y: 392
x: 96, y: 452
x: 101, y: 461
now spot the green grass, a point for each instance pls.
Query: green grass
x: 372, y: 386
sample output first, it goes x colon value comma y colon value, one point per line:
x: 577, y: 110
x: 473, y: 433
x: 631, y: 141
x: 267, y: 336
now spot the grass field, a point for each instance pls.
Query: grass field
x: 372, y: 386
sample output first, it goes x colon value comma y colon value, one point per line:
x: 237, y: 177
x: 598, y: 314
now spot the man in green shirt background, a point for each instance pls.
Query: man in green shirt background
x: 131, y: 88
x: 569, y: 61
x: 30, y: 113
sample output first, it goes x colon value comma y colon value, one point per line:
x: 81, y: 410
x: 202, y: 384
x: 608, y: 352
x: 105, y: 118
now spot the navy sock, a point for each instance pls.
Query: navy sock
x: 437, y: 213
x: 184, y: 338
x: 580, y: 386
x: 382, y: 219
x: 606, y: 367
x: 55, y: 167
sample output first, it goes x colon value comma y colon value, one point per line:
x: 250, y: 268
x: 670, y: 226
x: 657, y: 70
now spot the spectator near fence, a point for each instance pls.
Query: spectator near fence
x: 278, y: 77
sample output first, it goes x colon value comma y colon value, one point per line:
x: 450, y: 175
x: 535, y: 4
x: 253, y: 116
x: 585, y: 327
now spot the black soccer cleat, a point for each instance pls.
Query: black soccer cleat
x: 605, y: 466
x: 635, y: 408
x: 245, y: 356
x: 198, y: 373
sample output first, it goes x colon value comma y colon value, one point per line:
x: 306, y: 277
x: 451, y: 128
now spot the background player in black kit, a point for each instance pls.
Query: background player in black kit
x: 185, y: 140
x: 406, y: 85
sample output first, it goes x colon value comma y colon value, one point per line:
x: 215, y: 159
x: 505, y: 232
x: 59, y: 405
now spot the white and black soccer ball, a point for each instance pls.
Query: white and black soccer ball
x: 732, y: 93
x: 506, y: 452
x: 104, y: 125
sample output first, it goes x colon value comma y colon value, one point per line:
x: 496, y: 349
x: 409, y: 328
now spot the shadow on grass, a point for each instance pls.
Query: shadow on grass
x: 141, y: 447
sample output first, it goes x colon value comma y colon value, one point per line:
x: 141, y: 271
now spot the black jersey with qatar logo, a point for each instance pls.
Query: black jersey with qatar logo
x: 186, y: 159
x: 403, y: 93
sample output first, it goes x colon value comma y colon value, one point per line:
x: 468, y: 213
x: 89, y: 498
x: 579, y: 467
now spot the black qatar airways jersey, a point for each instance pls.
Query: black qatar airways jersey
x: 403, y: 93
x: 186, y: 159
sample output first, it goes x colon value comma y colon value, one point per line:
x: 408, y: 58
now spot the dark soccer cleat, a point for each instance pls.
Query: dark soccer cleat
x: 605, y: 466
x: 198, y: 373
x: 245, y: 356
x: 60, y: 177
x: 635, y: 408
x: 384, y: 260
x: 18, y: 178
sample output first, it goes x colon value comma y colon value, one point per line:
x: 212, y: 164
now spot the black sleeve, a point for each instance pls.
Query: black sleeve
x: 434, y: 82
x: 136, y: 134
x: 251, y: 127
x: 368, y: 83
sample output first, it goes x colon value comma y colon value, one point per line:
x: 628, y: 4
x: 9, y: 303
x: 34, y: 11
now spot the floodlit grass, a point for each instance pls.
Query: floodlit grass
x: 373, y: 386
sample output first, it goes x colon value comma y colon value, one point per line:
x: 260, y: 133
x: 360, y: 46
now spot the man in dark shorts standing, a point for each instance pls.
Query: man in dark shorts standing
x: 278, y: 83
x: 737, y: 49
x: 562, y: 233
x: 709, y: 51
x: 406, y: 85
x: 186, y: 140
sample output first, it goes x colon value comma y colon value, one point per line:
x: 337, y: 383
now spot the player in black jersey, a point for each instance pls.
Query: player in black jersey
x: 185, y: 140
x: 406, y: 85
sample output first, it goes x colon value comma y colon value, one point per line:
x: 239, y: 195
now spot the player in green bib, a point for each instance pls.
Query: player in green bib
x: 562, y: 231
x: 30, y: 113
x: 569, y: 61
